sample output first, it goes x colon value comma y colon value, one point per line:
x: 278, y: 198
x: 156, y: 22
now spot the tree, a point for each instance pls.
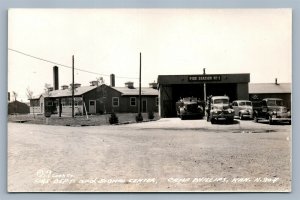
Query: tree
x: 103, y: 92
x: 15, y: 95
x: 100, y: 80
x: 29, y: 94
x: 47, y: 86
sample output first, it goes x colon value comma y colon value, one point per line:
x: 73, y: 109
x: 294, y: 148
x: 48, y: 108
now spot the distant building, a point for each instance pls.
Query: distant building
x: 258, y: 91
x: 16, y: 107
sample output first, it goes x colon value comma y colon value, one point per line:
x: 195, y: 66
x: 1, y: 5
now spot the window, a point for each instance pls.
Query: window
x: 50, y: 103
x: 221, y: 101
x: 115, y: 101
x: 132, y: 101
x: 157, y: 101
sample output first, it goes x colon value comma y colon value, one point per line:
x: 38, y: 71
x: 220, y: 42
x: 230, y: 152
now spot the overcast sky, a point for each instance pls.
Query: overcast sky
x: 172, y: 41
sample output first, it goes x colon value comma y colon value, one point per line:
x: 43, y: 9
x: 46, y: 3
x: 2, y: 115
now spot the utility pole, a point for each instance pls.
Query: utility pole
x: 140, y: 85
x: 204, y: 88
x: 73, y: 86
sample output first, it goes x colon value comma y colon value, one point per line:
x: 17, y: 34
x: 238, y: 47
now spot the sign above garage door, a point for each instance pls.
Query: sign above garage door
x: 202, y: 78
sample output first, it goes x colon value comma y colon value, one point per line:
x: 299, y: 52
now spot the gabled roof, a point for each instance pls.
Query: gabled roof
x: 135, y: 91
x: 67, y: 92
x: 269, y: 88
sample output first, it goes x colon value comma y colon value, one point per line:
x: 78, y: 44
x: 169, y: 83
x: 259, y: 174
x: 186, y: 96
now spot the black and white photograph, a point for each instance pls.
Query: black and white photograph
x: 149, y: 100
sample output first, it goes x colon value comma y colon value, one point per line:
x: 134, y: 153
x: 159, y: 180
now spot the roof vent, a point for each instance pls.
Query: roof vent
x: 153, y: 85
x: 94, y: 83
x: 50, y: 89
x: 76, y: 85
x: 64, y: 87
x: 129, y: 84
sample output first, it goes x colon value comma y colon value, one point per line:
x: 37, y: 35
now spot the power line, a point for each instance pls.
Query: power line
x: 62, y: 65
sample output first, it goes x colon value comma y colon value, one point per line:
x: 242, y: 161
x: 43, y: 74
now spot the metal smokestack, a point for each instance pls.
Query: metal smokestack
x: 55, y: 78
x: 112, y: 80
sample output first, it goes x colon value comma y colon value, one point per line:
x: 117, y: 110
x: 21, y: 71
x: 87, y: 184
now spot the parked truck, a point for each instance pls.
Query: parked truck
x: 273, y: 110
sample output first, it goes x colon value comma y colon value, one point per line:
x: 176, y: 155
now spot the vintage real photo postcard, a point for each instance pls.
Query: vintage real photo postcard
x: 149, y: 100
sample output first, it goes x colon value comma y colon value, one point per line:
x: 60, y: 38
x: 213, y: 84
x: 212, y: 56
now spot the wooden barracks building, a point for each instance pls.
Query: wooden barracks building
x: 96, y: 99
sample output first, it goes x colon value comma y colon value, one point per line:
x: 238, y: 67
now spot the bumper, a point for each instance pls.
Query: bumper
x: 192, y: 114
x: 222, y: 116
x: 281, y: 119
x: 247, y: 115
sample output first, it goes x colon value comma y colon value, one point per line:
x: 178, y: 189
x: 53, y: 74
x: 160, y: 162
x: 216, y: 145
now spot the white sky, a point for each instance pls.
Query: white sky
x: 172, y: 41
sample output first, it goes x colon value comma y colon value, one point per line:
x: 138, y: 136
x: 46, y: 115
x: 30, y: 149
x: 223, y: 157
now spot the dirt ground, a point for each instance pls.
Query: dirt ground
x: 168, y: 155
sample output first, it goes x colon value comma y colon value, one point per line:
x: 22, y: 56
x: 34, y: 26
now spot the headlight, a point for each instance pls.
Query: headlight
x: 274, y: 112
x: 216, y: 110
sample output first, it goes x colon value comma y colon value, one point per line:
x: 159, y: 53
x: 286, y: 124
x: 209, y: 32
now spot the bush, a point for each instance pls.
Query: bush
x: 139, y: 118
x: 113, y: 119
x: 150, y: 115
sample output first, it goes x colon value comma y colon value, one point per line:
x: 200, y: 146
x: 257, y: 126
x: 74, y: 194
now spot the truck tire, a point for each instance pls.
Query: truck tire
x: 241, y: 116
x: 270, y: 120
x: 212, y: 121
x: 255, y: 119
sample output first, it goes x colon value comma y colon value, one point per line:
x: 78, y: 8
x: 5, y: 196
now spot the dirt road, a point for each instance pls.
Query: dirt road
x: 165, y: 155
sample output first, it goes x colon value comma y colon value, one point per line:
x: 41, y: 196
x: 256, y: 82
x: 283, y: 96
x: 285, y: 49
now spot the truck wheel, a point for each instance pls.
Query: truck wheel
x: 212, y: 121
x: 241, y: 116
x: 255, y: 119
x: 270, y: 120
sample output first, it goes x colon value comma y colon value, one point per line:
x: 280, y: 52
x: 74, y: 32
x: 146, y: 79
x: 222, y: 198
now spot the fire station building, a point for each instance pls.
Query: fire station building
x: 174, y: 87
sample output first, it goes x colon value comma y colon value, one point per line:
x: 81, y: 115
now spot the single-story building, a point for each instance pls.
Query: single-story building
x: 96, y: 99
x: 259, y: 91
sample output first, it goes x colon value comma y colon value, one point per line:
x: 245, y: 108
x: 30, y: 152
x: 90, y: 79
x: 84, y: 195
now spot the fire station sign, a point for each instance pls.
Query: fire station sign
x: 204, y: 78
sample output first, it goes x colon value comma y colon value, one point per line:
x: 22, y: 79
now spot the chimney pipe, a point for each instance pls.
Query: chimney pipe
x: 112, y: 80
x: 276, y: 82
x: 55, y: 78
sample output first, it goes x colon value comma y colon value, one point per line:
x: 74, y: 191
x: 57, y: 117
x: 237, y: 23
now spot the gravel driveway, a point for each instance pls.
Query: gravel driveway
x: 164, y: 155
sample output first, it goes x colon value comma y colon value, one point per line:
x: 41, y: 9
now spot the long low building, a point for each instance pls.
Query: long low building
x: 96, y: 99
x: 258, y: 91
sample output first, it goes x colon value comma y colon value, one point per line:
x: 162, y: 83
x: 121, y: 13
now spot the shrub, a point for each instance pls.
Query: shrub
x: 139, y: 118
x: 113, y: 119
x: 150, y: 115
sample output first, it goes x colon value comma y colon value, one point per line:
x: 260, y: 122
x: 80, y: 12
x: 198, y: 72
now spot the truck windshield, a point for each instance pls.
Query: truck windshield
x: 275, y: 103
x: 221, y: 101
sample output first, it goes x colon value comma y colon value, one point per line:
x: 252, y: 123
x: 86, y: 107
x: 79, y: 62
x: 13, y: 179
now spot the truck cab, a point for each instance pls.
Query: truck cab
x: 220, y: 109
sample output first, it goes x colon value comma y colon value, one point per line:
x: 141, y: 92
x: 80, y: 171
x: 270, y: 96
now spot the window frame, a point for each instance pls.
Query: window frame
x: 130, y: 101
x: 118, y: 100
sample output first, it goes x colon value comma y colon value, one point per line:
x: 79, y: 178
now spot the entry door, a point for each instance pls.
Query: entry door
x: 92, y: 106
x: 42, y: 108
x: 144, y: 105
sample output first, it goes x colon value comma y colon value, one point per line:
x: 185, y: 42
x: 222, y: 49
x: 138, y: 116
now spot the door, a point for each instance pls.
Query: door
x: 42, y: 108
x: 92, y: 106
x: 144, y: 105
